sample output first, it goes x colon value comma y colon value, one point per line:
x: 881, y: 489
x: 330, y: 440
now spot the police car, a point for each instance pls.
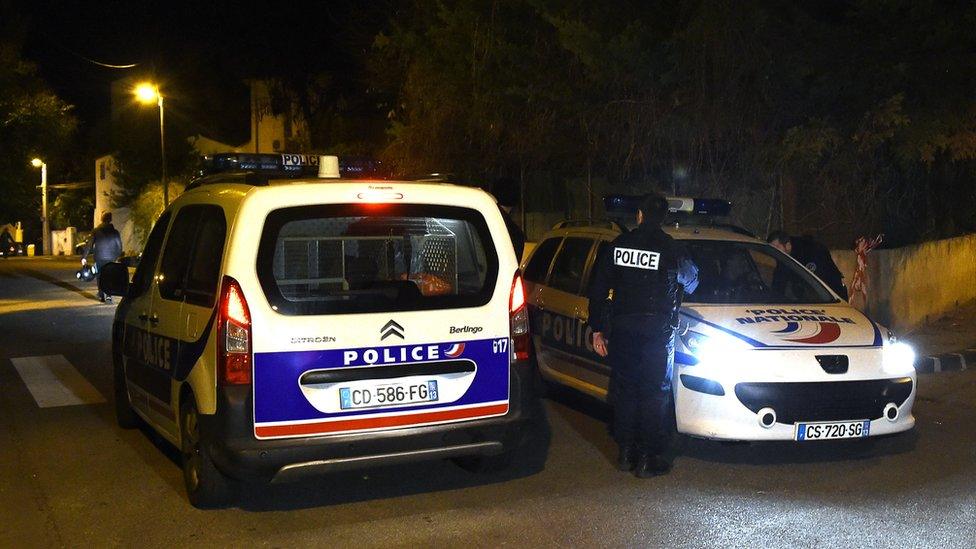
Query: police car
x: 282, y: 324
x: 766, y: 350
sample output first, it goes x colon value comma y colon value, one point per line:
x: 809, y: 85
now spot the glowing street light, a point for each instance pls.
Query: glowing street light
x: 148, y: 93
x: 46, y: 237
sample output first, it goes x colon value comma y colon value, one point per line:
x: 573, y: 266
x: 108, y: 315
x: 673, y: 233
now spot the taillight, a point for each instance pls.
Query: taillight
x: 234, y: 345
x: 519, y: 312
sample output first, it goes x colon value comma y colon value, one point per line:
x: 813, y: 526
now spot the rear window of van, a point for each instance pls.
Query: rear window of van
x: 361, y: 258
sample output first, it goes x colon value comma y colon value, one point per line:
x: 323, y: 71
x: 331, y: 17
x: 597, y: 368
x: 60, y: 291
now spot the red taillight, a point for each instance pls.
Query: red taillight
x: 519, y: 320
x: 234, y: 345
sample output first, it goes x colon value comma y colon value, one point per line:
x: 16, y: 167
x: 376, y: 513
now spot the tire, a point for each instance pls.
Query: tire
x: 494, y: 463
x: 125, y: 416
x: 486, y: 464
x: 206, y: 487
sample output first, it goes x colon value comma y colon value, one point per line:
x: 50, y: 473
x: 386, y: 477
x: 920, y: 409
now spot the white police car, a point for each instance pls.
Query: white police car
x: 766, y: 351
x: 280, y: 325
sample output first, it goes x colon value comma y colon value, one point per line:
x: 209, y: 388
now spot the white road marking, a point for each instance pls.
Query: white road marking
x: 53, y: 381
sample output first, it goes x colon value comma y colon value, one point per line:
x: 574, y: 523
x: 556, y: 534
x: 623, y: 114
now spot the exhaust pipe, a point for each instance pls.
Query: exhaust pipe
x: 891, y: 412
x: 767, y: 417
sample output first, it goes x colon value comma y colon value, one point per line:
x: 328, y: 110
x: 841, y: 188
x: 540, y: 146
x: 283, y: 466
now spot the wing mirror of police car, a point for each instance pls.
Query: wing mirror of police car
x: 114, y: 279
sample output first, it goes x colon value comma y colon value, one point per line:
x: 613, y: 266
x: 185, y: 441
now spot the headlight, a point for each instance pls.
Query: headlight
x: 709, y: 349
x: 898, y: 359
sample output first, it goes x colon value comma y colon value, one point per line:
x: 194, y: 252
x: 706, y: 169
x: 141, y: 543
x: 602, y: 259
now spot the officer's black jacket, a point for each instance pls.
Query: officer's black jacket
x: 646, y: 269
x: 816, y: 257
x: 106, y: 242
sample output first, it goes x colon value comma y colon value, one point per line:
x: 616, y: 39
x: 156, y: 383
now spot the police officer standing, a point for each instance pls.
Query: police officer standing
x: 106, y: 243
x: 634, y: 303
x: 812, y: 255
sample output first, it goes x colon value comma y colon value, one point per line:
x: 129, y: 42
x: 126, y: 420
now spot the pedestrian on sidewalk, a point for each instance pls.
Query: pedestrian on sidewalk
x: 106, y: 246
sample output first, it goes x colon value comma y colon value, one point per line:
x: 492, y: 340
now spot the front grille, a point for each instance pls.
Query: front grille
x: 825, y: 400
x: 833, y: 364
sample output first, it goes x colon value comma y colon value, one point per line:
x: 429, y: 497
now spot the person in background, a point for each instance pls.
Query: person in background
x: 812, y: 255
x: 106, y: 245
x: 641, y: 279
x: 506, y: 191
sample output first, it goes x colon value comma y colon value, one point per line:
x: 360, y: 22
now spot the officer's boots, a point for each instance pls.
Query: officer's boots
x: 651, y: 465
x: 627, y: 458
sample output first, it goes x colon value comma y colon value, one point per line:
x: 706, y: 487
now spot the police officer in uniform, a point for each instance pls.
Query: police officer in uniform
x: 812, y: 255
x: 634, y: 302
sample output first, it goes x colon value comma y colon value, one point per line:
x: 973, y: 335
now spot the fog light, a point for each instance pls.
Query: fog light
x: 767, y: 417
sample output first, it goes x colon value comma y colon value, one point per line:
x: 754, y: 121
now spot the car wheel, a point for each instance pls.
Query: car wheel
x: 125, y: 416
x: 206, y: 487
x: 497, y: 462
x: 486, y: 464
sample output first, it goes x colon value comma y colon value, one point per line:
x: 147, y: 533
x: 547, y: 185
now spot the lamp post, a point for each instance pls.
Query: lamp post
x: 147, y: 94
x: 46, y: 237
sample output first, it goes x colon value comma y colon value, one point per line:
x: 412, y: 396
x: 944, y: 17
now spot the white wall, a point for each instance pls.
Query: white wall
x: 913, y: 285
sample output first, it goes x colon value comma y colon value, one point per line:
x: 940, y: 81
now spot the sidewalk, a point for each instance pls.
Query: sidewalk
x: 947, y: 344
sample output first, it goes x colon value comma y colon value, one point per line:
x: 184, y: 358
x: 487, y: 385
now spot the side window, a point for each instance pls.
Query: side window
x: 176, y: 255
x: 567, y: 271
x: 538, y: 266
x: 203, y: 275
x: 144, y: 272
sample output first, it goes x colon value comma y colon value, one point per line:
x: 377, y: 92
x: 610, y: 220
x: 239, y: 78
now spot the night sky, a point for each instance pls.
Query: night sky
x: 200, y: 49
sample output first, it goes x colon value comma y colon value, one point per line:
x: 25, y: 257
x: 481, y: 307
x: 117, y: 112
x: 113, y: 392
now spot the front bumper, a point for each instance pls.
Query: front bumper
x: 229, y: 435
x: 737, y: 414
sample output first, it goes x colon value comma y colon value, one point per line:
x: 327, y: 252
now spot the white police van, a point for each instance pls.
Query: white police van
x: 766, y: 350
x: 280, y: 325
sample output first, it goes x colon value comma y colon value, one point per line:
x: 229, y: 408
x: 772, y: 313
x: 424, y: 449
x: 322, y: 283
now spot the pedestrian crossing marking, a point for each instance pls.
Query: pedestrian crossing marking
x: 53, y: 381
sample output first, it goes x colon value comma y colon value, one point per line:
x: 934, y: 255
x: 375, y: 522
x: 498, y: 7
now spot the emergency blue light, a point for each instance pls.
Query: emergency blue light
x: 629, y: 204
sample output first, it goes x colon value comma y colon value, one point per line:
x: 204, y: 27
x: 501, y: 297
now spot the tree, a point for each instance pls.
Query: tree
x: 34, y: 122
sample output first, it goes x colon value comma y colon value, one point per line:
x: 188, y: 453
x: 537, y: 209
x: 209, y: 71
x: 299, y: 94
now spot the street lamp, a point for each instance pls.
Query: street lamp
x: 46, y: 237
x: 147, y: 94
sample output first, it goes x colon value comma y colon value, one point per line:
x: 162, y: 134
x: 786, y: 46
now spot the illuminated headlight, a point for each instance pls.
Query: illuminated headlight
x: 899, y: 359
x: 717, y: 356
x: 710, y: 350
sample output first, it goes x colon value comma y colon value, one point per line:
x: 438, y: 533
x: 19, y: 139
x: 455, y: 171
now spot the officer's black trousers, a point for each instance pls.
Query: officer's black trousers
x: 641, y: 355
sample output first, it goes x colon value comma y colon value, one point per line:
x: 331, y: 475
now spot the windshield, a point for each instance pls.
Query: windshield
x: 357, y: 259
x: 745, y: 273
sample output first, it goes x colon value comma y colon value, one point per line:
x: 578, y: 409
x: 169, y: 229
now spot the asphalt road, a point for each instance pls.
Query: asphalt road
x: 70, y: 477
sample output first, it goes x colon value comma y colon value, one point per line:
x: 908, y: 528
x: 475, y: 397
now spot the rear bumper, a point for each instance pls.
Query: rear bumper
x: 229, y: 435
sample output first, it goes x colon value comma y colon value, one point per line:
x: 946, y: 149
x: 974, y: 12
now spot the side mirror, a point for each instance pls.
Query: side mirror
x: 114, y: 279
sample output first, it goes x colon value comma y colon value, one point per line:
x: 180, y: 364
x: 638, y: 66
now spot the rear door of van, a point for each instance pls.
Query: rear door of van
x: 379, y: 316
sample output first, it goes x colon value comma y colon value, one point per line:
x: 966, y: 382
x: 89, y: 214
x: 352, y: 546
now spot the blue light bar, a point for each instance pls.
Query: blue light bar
x: 623, y: 204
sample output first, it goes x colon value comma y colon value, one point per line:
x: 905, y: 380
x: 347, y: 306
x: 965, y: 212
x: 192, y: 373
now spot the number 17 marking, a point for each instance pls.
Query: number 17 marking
x: 499, y: 346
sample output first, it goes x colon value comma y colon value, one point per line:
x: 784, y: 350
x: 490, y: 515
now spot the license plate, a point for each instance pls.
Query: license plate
x: 833, y: 430
x: 387, y: 394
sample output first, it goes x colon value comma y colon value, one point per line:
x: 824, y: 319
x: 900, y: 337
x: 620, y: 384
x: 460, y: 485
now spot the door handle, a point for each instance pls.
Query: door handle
x: 154, y: 320
x: 143, y: 317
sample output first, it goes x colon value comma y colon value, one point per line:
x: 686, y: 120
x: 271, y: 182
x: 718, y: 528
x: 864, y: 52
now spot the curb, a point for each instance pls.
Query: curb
x: 946, y: 362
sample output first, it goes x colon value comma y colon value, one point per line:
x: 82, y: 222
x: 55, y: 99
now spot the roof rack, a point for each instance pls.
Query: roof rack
x: 605, y: 223
x: 259, y: 169
x: 435, y: 177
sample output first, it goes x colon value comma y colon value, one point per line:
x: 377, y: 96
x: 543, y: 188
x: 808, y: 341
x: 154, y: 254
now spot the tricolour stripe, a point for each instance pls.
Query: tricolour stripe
x: 53, y: 381
x: 381, y: 422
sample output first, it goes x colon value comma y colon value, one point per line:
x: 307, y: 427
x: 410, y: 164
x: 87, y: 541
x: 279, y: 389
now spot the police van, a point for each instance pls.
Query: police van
x: 766, y: 350
x: 287, y: 321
